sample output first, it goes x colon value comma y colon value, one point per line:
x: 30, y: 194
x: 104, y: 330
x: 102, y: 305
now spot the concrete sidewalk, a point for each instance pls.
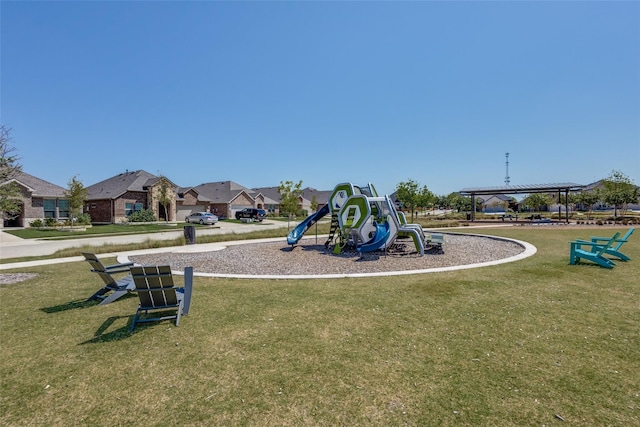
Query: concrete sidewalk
x: 15, y: 247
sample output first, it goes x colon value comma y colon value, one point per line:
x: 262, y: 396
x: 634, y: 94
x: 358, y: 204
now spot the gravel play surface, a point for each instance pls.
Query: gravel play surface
x: 311, y: 258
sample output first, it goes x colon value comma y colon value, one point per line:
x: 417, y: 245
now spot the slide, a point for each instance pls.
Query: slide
x: 296, y: 234
x: 378, y: 241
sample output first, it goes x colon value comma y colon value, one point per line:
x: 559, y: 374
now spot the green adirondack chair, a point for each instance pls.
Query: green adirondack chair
x: 595, y: 253
x: 614, y: 250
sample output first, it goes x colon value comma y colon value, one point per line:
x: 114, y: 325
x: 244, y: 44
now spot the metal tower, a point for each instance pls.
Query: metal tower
x: 507, y: 180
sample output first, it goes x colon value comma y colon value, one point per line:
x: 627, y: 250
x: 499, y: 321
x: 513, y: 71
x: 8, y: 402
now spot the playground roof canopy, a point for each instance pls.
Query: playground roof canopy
x: 518, y: 189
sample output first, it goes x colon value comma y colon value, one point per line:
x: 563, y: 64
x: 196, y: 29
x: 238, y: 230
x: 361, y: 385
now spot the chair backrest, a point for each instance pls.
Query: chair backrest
x: 154, y: 285
x: 624, y: 238
x: 96, y: 264
x: 602, y: 249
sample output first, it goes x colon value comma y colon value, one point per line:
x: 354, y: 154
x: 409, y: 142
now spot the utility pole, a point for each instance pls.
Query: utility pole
x: 507, y: 180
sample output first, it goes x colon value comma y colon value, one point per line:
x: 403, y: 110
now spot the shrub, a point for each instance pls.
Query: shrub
x: 36, y: 223
x: 145, y: 215
x: 83, y: 219
x: 51, y: 222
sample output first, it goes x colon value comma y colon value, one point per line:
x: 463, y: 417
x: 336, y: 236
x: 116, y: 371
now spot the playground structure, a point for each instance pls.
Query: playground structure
x: 363, y: 220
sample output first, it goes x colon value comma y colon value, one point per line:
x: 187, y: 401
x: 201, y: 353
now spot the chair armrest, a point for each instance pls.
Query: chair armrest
x: 586, y: 242
x: 118, y: 268
x: 606, y: 239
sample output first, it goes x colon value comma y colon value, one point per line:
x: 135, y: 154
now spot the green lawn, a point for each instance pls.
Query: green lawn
x: 525, y: 343
x: 98, y: 230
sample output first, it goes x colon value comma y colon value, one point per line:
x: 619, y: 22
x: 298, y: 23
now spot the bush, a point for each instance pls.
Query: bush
x: 83, y: 219
x: 145, y: 215
x: 51, y: 222
x: 36, y: 223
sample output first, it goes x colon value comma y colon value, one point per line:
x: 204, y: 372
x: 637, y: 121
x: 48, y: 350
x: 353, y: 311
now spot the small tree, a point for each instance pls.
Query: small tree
x: 426, y: 199
x: 411, y: 196
x: 587, y: 199
x: 458, y: 202
x: 619, y: 190
x: 76, y: 194
x: 537, y: 201
x: 314, y: 203
x: 163, y: 195
x: 289, y: 195
x: 10, y: 193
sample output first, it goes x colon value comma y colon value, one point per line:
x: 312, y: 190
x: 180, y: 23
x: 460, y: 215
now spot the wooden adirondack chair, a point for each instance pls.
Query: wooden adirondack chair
x: 595, y: 254
x: 118, y: 287
x: 156, y: 291
x: 614, y: 250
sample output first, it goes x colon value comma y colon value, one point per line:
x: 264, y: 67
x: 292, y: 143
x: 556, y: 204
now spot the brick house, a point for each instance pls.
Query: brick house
x: 40, y: 199
x: 111, y: 201
x: 272, y: 199
x: 222, y: 198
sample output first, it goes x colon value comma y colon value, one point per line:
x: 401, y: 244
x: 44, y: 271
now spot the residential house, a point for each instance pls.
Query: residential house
x: 271, y: 199
x: 496, y: 203
x: 111, y: 201
x: 599, y: 186
x: 306, y: 199
x: 222, y: 198
x: 311, y: 195
x: 40, y: 200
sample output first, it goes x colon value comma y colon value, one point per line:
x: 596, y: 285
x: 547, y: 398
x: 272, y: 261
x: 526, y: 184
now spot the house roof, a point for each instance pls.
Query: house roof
x: 38, y: 187
x: 502, y: 197
x: 116, y: 186
x: 221, y: 192
x: 271, y: 194
x: 322, y: 196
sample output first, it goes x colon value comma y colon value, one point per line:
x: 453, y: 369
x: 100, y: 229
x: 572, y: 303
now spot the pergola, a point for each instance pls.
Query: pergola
x: 560, y: 187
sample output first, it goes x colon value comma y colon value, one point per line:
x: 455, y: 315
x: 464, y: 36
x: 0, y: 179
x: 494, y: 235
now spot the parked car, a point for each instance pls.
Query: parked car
x: 201, y: 218
x: 255, y: 214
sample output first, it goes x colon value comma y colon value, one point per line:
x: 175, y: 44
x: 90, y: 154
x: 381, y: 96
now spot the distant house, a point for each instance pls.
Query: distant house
x: 599, y: 185
x: 222, y: 198
x: 40, y: 199
x: 272, y: 199
x: 111, y: 201
x: 321, y: 198
x: 496, y: 203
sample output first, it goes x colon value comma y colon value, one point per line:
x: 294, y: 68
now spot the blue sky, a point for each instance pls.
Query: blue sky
x: 324, y: 92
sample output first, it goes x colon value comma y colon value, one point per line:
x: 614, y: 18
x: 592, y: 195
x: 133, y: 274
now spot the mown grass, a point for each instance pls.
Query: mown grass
x: 96, y: 230
x: 524, y: 343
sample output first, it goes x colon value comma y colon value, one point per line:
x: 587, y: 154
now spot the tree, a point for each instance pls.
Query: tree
x: 619, y: 190
x: 537, y: 201
x: 587, y: 199
x: 411, y: 196
x: 10, y: 193
x: 458, y: 202
x: 289, y: 195
x: 76, y: 195
x: 314, y: 203
x: 426, y: 199
x: 163, y: 196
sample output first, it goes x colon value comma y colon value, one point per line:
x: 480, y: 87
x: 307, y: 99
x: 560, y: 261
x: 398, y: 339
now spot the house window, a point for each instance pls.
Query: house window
x: 130, y: 208
x: 49, y: 206
x: 63, y: 209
